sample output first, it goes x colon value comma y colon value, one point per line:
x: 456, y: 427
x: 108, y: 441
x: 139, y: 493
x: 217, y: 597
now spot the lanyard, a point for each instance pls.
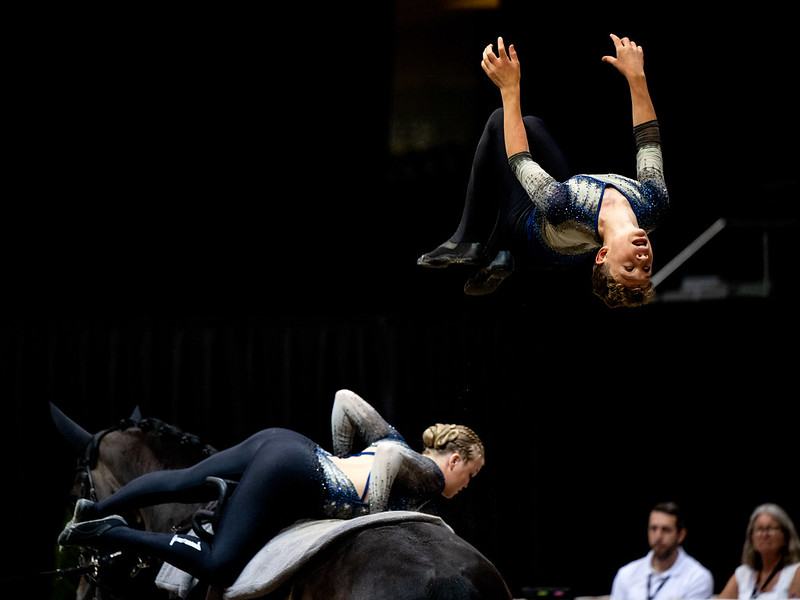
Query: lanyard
x: 658, y: 589
x: 758, y: 589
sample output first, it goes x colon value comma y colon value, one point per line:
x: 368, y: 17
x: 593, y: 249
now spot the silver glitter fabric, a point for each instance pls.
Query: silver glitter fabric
x: 353, y: 417
x: 563, y: 223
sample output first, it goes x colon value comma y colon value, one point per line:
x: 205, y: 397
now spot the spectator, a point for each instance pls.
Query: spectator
x: 770, y: 558
x: 667, y: 572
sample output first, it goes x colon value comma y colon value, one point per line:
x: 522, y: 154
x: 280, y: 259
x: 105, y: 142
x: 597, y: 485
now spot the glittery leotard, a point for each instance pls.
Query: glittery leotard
x: 561, y: 223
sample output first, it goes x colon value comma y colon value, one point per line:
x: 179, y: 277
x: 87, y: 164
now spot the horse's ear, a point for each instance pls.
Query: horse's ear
x: 136, y: 415
x: 75, y: 435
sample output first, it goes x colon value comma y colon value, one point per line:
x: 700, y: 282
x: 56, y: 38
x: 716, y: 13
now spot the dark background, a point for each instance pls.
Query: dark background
x: 216, y: 216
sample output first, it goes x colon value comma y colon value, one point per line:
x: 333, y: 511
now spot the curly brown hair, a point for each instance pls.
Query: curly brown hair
x: 615, y: 294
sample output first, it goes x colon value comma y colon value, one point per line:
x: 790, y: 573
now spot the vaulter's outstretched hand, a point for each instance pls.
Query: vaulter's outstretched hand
x: 503, y: 68
x: 630, y: 57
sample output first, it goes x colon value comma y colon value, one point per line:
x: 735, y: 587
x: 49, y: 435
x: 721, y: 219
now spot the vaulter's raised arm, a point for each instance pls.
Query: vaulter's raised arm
x: 352, y: 415
x: 504, y: 70
x: 629, y: 61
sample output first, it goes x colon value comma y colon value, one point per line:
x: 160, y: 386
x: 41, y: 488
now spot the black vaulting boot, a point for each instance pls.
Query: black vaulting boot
x: 487, y: 279
x: 452, y: 253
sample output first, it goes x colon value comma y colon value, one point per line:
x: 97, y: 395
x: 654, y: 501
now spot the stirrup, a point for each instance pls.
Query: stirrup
x: 203, y: 516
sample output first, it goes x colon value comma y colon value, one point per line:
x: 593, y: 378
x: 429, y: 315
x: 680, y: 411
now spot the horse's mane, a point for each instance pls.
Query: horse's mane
x: 176, y: 447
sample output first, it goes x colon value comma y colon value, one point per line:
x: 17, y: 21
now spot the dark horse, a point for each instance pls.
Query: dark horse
x: 402, y: 561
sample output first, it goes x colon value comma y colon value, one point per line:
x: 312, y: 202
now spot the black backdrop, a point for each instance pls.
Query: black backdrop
x: 207, y: 224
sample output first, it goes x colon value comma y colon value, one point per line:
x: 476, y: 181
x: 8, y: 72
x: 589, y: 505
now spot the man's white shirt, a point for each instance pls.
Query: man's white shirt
x: 687, y: 579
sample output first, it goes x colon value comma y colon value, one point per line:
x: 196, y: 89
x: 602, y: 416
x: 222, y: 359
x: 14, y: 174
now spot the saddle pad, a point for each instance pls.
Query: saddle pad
x: 284, y: 554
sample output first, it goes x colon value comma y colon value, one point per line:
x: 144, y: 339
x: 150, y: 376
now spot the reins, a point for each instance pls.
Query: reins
x: 55, y: 573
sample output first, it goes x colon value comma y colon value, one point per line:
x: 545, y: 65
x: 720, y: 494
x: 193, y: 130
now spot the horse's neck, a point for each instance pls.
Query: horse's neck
x: 124, y: 456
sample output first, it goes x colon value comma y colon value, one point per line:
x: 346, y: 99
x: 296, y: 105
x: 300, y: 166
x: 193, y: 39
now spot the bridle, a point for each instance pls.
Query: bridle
x: 112, y: 570
x: 91, y: 455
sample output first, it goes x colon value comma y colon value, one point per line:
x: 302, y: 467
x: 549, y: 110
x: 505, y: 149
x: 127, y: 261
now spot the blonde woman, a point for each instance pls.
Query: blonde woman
x: 282, y: 477
x: 770, y: 558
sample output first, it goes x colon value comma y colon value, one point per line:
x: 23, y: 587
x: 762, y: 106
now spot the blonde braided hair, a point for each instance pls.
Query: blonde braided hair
x: 442, y: 439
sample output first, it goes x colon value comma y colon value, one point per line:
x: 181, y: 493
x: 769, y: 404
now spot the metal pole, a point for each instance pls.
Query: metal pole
x: 687, y: 252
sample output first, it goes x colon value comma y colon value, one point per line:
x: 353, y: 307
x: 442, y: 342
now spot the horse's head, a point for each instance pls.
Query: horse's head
x: 109, y: 459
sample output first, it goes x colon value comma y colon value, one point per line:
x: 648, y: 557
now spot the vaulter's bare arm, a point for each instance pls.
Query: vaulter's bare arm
x: 504, y: 70
x: 629, y: 61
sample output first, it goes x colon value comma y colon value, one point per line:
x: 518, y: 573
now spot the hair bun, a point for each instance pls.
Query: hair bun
x: 439, y: 435
x: 452, y: 438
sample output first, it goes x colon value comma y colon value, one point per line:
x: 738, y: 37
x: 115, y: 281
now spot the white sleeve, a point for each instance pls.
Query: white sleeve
x: 700, y: 586
x: 618, y: 588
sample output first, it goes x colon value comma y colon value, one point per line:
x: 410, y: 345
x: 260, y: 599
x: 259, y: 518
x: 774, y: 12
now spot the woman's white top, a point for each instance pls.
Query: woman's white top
x: 746, y: 580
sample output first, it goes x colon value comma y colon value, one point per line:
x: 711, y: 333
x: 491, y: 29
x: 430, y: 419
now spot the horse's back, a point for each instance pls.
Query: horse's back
x: 411, y: 561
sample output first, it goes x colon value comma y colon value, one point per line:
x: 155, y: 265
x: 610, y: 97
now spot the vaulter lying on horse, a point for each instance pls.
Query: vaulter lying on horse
x: 284, y: 477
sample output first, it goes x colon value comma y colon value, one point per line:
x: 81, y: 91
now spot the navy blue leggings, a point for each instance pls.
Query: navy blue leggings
x: 279, y: 483
x: 496, y: 203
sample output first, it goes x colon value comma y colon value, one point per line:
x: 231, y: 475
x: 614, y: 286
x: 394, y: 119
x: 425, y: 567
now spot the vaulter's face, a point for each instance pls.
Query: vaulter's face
x: 629, y: 258
x: 458, y: 473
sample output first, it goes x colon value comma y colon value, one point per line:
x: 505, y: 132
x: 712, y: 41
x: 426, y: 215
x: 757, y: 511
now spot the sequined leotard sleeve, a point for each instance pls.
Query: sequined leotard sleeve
x: 353, y: 416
